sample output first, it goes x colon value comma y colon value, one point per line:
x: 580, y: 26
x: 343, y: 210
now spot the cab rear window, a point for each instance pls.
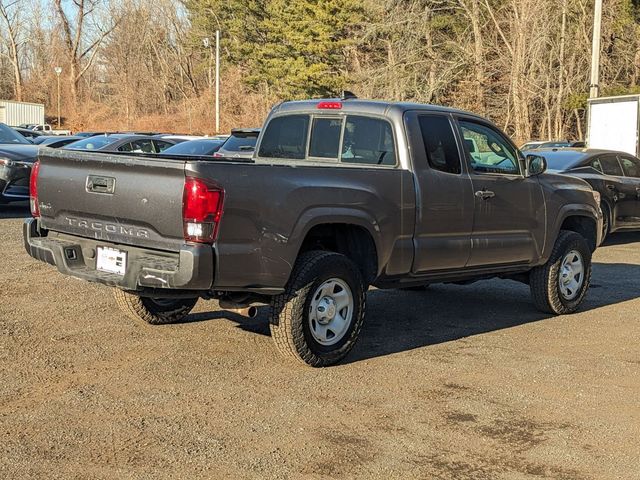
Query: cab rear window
x: 353, y: 139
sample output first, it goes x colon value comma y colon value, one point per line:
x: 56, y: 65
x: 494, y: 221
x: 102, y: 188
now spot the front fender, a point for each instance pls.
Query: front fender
x: 573, y: 210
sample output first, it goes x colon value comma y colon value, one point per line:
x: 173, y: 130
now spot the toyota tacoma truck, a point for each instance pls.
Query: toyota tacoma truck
x: 340, y: 195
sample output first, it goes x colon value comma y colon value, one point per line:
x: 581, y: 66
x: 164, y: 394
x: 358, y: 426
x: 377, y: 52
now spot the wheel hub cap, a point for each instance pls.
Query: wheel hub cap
x: 331, y: 311
x: 571, y: 276
x: 326, y: 310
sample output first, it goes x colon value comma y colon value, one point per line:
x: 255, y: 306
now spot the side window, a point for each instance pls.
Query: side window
x: 138, y: 146
x: 368, y: 141
x: 610, y: 165
x: 440, y: 143
x: 161, y: 146
x: 325, y: 138
x: 487, y: 150
x: 630, y: 166
x: 285, y: 137
x: 596, y: 164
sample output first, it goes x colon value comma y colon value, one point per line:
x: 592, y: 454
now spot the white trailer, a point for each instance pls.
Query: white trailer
x: 18, y: 113
x: 613, y: 123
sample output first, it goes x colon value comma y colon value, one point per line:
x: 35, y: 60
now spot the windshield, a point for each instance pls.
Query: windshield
x: 92, y: 143
x: 9, y: 135
x: 195, y: 147
x: 240, y: 144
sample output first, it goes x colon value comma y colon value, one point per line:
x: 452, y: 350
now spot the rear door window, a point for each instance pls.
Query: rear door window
x: 630, y: 166
x: 162, y: 146
x: 440, y: 143
x: 610, y: 165
x: 137, y: 146
x: 325, y: 138
x: 368, y: 141
x: 285, y: 137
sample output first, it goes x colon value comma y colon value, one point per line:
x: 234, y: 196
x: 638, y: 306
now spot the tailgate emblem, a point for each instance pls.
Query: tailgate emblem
x: 100, y: 184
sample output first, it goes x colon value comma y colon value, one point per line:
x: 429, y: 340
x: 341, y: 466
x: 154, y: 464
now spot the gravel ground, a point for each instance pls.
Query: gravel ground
x: 454, y: 382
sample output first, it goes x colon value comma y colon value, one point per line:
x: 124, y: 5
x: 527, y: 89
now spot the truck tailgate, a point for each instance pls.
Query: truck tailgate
x: 120, y: 199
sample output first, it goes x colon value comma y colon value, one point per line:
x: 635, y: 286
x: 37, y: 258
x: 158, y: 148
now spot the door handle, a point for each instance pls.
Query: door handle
x: 485, y: 194
x: 611, y: 187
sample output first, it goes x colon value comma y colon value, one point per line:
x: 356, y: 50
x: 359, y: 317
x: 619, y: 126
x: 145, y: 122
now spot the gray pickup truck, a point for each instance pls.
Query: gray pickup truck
x: 339, y: 196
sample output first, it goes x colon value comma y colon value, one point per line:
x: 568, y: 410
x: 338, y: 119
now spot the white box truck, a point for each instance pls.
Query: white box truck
x: 613, y: 123
x: 18, y: 113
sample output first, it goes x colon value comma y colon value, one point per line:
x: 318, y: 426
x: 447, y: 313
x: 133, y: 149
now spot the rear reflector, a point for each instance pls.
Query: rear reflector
x: 33, y: 189
x: 329, y: 105
x: 201, y: 210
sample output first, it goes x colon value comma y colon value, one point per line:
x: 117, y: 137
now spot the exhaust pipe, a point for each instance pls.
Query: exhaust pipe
x: 246, y: 311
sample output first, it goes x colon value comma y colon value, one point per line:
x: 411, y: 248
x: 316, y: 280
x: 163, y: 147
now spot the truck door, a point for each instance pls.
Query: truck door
x: 444, y: 206
x: 509, y: 212
x: 629, y: 206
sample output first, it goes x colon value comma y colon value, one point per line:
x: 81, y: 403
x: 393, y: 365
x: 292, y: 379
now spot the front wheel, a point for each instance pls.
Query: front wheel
x: 318, y: 319
x: 559, y: 286
x: 156, y: 311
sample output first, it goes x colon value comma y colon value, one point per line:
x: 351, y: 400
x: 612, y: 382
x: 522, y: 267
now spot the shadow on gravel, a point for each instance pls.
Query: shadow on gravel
x: 17, y: 210
x: 621, y: 238
x: 402, y: 320
x: 398, y: 321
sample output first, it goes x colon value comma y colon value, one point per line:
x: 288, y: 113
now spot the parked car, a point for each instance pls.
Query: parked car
x: 615, y: 175
x: 182, y: 138
x: 90, y: 134
x: 552, y: 144
x: 122, y: 142
x: 10, y: 136
x: 240, y: 144
x: 15, y: 168
x: 45, y: 129
x: 28, y: 134
x: 55, y: 141
x: 203, y: 147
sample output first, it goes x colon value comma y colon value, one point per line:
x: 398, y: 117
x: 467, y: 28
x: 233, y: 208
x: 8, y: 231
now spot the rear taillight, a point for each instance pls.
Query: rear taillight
x: 201, y: 210
x: 33, y: 189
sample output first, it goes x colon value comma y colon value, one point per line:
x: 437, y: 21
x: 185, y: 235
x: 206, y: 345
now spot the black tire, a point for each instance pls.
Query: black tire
x: 544, y: 280
x: 156, y: 311
x: 289, y: 312
x: 606, y: 220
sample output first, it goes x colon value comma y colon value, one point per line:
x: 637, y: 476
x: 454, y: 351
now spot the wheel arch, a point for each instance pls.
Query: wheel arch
x: 353, y: 235
x: 582, y: 219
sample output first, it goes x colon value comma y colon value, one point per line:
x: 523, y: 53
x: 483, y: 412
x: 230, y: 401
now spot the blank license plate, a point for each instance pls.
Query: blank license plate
x: 111, y: 260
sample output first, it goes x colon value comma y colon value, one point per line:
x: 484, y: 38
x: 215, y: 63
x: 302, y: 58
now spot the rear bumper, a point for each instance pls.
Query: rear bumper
x: 189, y: 269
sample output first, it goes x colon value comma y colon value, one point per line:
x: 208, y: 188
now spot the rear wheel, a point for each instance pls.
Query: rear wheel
x: 606, y: 220
x: 318, y: 319
x: 559, y: 286
x: 156, y: 311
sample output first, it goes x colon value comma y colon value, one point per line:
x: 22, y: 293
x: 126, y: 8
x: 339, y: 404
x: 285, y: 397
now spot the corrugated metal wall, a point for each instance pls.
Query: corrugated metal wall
x: 16, y: 113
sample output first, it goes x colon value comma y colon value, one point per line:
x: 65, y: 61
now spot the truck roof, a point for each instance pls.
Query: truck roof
x: 375, y: 107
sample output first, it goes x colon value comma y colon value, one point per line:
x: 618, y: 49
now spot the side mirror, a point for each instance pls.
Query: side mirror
x: 536, y: 165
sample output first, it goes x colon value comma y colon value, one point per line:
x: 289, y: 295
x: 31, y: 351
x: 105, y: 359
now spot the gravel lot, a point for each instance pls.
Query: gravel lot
x: 454, y: 382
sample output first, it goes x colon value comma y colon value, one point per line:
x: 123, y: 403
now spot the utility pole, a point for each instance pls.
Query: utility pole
x: 58, y: 71
x: 217, y: 81
x: 594, y: 88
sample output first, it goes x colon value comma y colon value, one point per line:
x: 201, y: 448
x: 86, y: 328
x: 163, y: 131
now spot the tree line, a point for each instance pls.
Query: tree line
x: 144, y: 64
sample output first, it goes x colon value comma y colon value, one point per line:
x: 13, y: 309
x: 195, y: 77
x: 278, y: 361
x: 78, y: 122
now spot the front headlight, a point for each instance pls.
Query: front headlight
x: 596, y: 196
x: 5, y: 162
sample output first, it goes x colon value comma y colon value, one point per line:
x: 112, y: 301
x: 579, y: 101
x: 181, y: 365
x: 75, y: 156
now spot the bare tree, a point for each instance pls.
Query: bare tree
x: 82, y: 39
x: 10, y: 13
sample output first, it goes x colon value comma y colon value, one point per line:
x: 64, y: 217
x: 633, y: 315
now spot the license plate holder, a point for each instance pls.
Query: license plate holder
x: 111, y: 260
